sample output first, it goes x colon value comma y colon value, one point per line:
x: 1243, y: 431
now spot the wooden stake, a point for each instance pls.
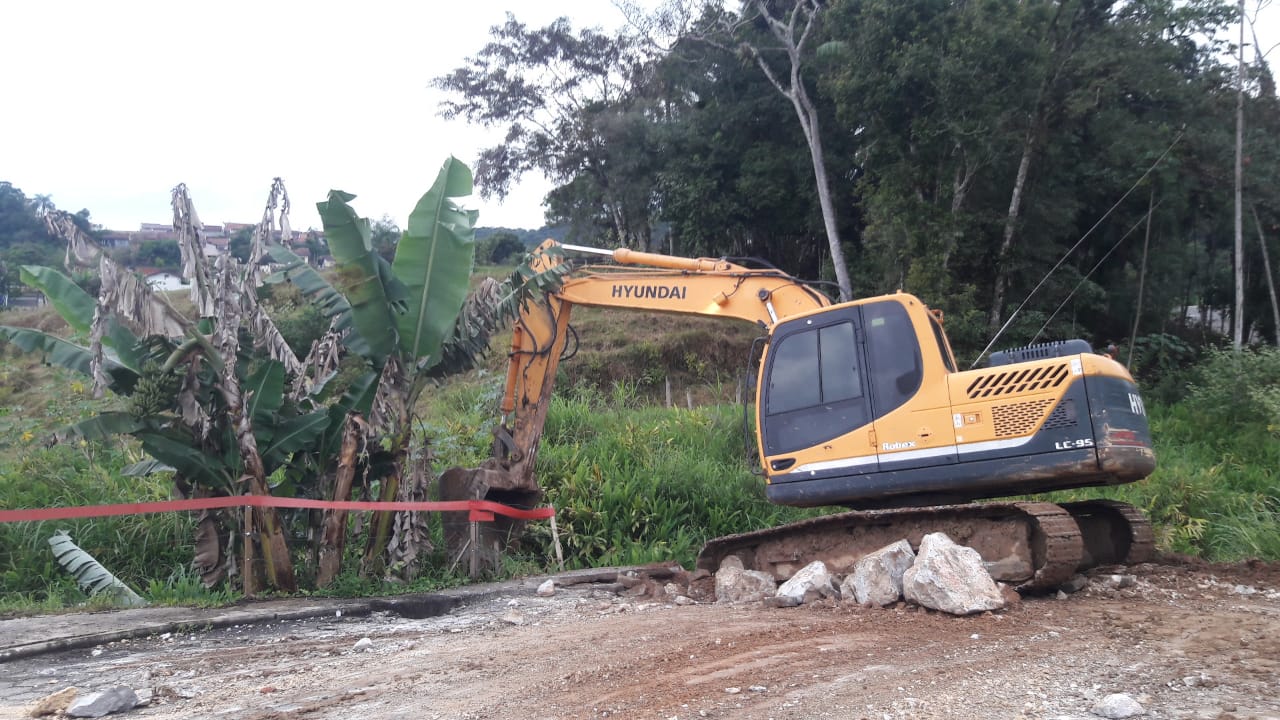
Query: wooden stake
x: 249, y: 579
x: 475, y: 549
x: 555, y: 539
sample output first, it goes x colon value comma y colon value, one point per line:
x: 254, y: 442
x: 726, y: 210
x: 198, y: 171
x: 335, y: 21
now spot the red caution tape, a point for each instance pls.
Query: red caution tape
x: 477, y: 509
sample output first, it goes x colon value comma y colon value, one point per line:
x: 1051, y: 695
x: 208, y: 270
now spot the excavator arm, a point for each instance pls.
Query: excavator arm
x: 644, y: 282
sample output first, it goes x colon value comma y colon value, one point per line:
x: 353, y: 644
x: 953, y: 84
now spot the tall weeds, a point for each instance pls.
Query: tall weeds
x: 136, y: 548
x: 637, y: 485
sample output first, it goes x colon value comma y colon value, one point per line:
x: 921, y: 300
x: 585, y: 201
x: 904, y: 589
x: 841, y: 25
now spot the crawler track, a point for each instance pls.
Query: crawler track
x: 1033, y: 545
x: 1113, y: 532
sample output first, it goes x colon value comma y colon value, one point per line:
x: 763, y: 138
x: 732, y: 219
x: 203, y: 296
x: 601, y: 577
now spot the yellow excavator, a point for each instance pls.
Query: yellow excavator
x: 860, y: 405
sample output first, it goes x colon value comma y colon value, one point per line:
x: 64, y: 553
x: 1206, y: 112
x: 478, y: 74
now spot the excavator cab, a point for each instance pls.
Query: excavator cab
x: 861, y: 405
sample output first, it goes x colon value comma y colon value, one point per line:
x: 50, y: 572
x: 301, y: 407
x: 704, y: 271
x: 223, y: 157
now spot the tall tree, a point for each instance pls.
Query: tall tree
x: 561, y: 97
x: 735, y: 176
x: 790, y: 30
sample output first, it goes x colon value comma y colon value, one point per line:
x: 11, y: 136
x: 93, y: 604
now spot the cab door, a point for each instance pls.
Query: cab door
x: 914, y: 425
x: 815, y: 406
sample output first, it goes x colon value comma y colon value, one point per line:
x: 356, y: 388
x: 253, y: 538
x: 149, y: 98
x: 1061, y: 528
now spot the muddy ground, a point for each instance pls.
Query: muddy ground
x: 1184, y: 640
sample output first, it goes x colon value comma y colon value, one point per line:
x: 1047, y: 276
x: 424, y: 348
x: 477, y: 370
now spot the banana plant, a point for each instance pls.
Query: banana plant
x: 400, y: 315
x: 223, y: 402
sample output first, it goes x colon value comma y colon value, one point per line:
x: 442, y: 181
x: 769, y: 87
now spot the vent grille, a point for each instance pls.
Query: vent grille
x: 1014, y: 382
x: 1018, y: 418
x: 1063, y: 416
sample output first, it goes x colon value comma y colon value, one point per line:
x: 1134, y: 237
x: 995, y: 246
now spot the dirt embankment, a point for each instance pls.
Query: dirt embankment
x: 1185, y: 641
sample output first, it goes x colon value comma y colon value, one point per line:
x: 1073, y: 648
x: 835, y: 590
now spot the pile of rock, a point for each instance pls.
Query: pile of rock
x: 943, y: 576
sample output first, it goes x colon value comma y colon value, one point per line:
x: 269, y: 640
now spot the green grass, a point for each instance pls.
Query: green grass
x: 638, y: 485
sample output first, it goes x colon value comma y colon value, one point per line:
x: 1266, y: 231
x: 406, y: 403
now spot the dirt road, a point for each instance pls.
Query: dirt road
x: 1184, y: 641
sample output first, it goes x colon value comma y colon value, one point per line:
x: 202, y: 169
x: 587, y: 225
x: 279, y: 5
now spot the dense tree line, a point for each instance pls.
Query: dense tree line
x: 24, y: 239
x: 969, y: 148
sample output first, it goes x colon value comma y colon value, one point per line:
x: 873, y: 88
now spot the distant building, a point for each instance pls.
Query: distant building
x: 217, y: 239
x: 213, y: 247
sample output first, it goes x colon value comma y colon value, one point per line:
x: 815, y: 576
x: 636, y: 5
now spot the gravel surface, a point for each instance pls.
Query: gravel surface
x: 1181, y: 640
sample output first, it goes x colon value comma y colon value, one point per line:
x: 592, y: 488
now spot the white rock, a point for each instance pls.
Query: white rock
x: 684, y: 600
x: 877, y: 578
x: 103, y: 703
x: 363, y: 644
x: 1118, y: 705
x: 733, y: 690
x: 950, y: 578
x: 547, y: 588
x: 736, y: 585
x: 809, y: 583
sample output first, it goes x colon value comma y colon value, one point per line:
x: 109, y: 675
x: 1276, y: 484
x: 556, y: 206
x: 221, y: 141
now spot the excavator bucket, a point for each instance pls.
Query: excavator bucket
x: 480, y: 545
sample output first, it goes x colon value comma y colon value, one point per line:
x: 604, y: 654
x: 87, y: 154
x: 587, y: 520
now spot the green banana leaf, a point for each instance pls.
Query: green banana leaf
x: 68, y: 355
x: 68, y: 299
x: 295, y: 434
x: 92, y: 577
x: 373, y: 335
x: 105, y: 426
x: 310, y: 283
x: 434, y: 261
x: 144, y: 468
x: 194, y: 465
x: 76, y: 307
x: 267, y: 388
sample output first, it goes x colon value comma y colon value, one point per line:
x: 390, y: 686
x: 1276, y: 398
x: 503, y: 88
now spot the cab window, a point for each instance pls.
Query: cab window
x: 814, y: 367
x: 893, y: 353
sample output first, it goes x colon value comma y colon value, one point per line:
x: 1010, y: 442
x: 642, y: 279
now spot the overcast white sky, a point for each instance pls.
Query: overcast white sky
x: 108, y: 105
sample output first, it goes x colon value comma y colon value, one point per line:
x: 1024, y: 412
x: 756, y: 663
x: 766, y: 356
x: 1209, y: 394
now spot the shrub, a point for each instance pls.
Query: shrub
x: 1239, y: 388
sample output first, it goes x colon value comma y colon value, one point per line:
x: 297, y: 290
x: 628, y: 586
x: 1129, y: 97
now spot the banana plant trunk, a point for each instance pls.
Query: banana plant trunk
x: 373, y: 562
x: 335, y: 521
x: 275, y: 550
